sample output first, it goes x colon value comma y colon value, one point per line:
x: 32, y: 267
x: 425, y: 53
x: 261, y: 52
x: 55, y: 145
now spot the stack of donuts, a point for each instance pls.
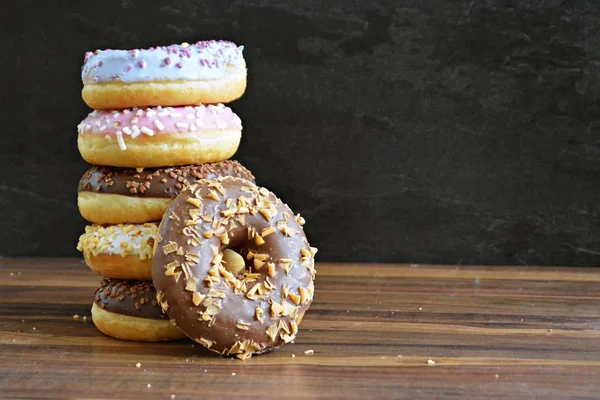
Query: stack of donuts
x: 232, y: 267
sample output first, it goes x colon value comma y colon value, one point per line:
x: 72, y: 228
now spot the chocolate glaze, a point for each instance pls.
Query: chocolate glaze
x: 132, y: 298
x: 156, y: 182
x: 185, y: 258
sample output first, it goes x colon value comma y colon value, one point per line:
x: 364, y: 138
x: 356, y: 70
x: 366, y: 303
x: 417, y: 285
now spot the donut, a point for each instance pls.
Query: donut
x: 128, y: 310
x: 108, y: 195
x: 121, y: 251
x: 233, y: 268
x: 159, y: 137
x: 212, y: 71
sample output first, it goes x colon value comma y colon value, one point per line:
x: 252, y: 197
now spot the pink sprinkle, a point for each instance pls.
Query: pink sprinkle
x: 133, y: 53
x: 168, y: 61
x: 142, y: 64
x: 100, y: 63
x: 179, y: 65
x: 129, y: 67
x: 88, y: 55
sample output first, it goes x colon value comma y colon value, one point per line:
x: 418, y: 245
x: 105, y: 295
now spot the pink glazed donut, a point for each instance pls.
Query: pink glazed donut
x: 212, y: 71
x: 159, y: 136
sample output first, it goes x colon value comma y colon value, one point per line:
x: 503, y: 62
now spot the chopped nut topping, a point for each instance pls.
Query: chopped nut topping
x: 190, y: 286
x: 258, y: 240
x: 276, y: 309
x: 197, y: 298
x: 267, y: 231
x: 258, y: 264
x: 213, y: 195
x: 295, y: 298
x: 272, y: 332
x: 258, y: 313
x: 242, y: 325
x: 304, y: 295
x: 265, y: 213
x: 271, y: 269
x: 205, y: 342
x: 170, y: 248
x: 195, y: 202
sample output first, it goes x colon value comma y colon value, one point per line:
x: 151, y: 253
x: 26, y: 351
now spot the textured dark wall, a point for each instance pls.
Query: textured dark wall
x: 405, y: 131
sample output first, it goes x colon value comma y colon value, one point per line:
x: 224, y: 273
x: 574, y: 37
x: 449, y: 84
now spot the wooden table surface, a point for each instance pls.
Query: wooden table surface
x: 502, y: 332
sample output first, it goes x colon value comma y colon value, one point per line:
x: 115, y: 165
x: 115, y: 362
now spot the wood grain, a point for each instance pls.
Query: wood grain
x: 493, y: 332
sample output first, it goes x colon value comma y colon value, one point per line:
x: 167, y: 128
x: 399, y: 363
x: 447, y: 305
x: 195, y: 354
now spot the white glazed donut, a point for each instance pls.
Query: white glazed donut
x: 212, y: 71
x: 121, y: 251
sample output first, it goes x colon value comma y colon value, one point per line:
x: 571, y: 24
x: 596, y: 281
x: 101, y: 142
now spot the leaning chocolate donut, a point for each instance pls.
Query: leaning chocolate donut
x: 108, y: 195
x: 129, y: 310
x: 232, y: 306
x: 159, y: 137
x: 212, y: 71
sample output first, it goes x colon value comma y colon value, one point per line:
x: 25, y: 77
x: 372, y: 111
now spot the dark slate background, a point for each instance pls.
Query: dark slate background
x: 405, y: 131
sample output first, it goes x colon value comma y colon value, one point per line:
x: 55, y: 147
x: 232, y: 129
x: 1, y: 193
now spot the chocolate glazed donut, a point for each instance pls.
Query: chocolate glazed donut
x: 109, y: 195
x: 129, y: 310
x: 229, y: 304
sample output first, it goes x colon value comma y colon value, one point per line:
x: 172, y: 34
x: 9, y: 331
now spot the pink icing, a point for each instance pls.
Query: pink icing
x: 137, y: 122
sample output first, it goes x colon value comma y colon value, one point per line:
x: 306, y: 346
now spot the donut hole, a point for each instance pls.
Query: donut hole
x: 238, y: 252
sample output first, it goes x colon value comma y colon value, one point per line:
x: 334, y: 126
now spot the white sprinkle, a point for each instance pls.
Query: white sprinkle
x: 150, y: 113
x: 116, y: 114
x: 102, y: 128
x: 172, y: 396
x: 120, y: 141
x: 126, y: 111
x: 94, y: 113
x: 138, y: 365
x: 139, y: 113
x: 430, y: 362
x: 233, y: 374
x: 163, y: 113
x: 241, y: 48
x: 34, y: 328
x: 181, y: 125
x: 108, y: 138
x: 135, y: 133
x: 135, y: 128
x: 175, y: 115
x: 200, y: 112
x: 134, y: 109
x: 170, y: 109
x: 126, y: 130
x: 293, y: 355
x: 159, y: 125
x: 309, y: 352
x: 159, y: 107
x: 149, y: 386
x: 147, y: 131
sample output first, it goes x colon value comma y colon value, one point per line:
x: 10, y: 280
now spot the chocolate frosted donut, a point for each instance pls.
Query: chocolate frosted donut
x: 129, y: 310
x: 229, y: 304
x: 211, y: 71
x: 109, y: 195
